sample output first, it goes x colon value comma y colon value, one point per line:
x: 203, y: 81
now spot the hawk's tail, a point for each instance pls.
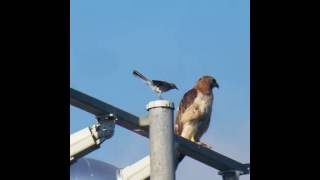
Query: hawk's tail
x: 137, y: 74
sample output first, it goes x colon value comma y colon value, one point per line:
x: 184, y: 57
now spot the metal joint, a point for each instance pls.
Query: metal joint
x: 106, y: 125
x: 144, y: 121
x: 230, y: 174
x: 106, y: 117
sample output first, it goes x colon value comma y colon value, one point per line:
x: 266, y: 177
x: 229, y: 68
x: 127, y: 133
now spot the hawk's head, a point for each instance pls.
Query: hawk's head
x: 206, y: 84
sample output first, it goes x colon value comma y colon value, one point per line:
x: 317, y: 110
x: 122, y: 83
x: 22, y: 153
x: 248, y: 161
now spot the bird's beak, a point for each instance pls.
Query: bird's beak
x: 216, y: 85
x: 177, y: 88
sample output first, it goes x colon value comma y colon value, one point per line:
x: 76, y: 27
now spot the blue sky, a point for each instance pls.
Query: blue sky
x: 176, y: 41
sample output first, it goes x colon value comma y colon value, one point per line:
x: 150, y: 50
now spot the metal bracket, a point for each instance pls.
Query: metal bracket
x: 106, y: 125
x: 144, y: 121
x: 230, y: 174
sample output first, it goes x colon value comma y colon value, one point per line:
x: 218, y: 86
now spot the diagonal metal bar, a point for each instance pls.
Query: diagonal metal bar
x: 98, y: 108
x: 209, y: 157
x: 132, y: 122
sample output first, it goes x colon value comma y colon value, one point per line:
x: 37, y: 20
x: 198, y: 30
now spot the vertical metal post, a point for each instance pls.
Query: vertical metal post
x: 161, y: 140
x: 230, y: 175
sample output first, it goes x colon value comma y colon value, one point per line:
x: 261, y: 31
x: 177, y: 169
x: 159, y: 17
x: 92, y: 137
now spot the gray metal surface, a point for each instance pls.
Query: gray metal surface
x: 132, y: 122
x: 161, y: 140
x: 91, y: 169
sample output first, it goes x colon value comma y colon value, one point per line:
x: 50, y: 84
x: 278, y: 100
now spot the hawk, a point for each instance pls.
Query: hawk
x: 194, y: 112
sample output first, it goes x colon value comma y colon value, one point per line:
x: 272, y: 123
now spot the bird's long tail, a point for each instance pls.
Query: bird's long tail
x: 137, y: 74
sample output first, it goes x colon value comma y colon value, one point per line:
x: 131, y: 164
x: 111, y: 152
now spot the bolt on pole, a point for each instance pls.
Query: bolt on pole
x: 161, y: 140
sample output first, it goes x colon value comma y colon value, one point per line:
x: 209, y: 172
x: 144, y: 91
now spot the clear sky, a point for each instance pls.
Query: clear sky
x: 176, y: 41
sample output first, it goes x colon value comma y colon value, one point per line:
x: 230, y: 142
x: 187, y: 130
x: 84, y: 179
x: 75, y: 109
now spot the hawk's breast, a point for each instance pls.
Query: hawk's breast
x: 199, y: 110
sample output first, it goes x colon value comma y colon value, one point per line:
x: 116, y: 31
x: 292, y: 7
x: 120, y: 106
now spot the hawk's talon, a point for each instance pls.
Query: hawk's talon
x: 204, y: 145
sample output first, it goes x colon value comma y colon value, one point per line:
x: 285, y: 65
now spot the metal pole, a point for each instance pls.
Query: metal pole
x: 161, y: 140
x: 230, y: 175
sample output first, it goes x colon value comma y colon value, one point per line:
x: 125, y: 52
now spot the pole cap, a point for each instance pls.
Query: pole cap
x: 160, y: 103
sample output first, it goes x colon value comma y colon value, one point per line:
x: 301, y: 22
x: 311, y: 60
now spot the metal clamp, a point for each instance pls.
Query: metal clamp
x: 106, y: 125
x: 230, y: 174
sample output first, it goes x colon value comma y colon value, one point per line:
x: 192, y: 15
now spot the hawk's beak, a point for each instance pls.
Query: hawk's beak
x: 216, y: 85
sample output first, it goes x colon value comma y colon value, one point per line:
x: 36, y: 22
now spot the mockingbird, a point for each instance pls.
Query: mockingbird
x: 156, y: 85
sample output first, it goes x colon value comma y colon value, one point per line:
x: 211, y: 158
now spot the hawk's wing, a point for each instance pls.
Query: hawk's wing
x: 186, y: 101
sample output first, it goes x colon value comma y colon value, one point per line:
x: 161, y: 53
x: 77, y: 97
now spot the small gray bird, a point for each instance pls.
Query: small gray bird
x: 156, y: 85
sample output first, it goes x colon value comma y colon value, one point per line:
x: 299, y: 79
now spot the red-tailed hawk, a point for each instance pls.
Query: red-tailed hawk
x: 194, y: 111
